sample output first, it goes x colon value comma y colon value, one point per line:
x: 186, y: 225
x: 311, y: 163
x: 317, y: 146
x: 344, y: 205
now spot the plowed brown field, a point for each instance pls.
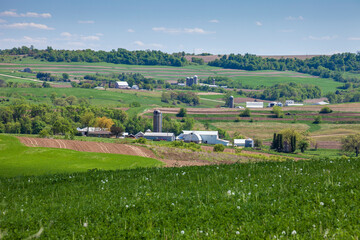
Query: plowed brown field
x: 88, y: 146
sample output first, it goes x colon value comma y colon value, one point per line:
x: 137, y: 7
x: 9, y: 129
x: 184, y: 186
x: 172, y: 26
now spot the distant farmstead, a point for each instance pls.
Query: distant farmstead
x: 121, y: 84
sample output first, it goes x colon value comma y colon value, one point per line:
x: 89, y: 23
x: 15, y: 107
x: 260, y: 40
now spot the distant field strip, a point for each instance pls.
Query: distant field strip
x: 166, y: 73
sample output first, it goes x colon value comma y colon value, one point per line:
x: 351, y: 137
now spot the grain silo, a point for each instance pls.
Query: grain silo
x: 231, y: 102
x: 195, y: 80
x: 157, y: 121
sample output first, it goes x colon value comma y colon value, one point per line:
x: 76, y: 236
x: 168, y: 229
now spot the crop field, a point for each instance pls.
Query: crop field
x: 261, y: 130
x: 17, y: 159
x: 249, y: 78
x: 290, y: 200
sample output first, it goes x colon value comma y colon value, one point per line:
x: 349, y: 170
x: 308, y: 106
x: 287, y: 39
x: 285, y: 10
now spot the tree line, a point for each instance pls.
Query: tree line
x: 294, y: 91
x: 322, y: 66
x: 119, y: 56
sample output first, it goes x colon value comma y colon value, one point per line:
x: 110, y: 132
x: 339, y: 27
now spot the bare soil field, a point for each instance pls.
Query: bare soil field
x: 88, y: 146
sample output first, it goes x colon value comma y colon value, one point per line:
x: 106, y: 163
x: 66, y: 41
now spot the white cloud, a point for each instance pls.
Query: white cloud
x: 130, y: 30
x: 181, y: 30
x: 148, y: 45
x: 258, y: 23
x: 90, y: 38
x: 25, y: 40
x: 139, y: 43
x: 99, y: 34
x: 13, y: 13
x: 26, y: 25
x: 354, y: 38
x: 214, y: 21
x: 2, y: 21
x: 66, y: 34
x: 291, y: 18
x: 322, y: 38
x: 86, y: 21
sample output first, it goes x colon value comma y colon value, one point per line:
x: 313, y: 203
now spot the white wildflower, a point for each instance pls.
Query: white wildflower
x: 293, y: 232
x: 283, y: 233
x: 126, y: 206
x: 182, y: 232
x: 238, y: 207
x: 85, y: 224
x: 237, y: 232
x: 321, y: 203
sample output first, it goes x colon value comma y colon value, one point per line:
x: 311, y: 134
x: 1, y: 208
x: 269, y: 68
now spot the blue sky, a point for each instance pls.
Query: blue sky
x: 263, y: 27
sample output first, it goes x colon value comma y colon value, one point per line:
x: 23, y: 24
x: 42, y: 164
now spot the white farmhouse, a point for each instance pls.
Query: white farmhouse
x: 208, y: 137
x: 121, y: 84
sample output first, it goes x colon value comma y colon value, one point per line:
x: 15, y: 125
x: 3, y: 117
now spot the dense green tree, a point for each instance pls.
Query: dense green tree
x: 181, y: 113
x: 351, y: 143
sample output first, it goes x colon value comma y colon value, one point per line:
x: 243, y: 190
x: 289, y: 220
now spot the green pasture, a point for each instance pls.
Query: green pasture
x: 265, y: 200
x: 325, y: 84
x: 17, y: 159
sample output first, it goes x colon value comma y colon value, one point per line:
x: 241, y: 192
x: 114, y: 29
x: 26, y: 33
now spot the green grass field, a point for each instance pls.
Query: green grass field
x: 17, y: 159
x: 272, y: 200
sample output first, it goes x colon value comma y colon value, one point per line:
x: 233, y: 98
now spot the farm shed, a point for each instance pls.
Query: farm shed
x: 254, y: 104
x: 139, y: 135
x: 104, y: 134
x: 209, y: 137
x: 273, y: 104
x: 289, y: 103
x: 121, y: 84
x: 94, y: 132
x: 244, y: 142
x: 158, y: 136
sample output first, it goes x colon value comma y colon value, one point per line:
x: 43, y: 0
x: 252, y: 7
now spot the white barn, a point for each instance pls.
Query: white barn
x: 121, y: 84
x: 254, y: 104
x: 209, y: 137
x: 244, y: 142
x: 289, y: 103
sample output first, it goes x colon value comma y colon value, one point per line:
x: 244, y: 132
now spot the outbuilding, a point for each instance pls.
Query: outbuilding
x: 244, y: 142
x: 208, y: 137
x: 159, y: 136
x: 121, y: 84
x: 254, y: 104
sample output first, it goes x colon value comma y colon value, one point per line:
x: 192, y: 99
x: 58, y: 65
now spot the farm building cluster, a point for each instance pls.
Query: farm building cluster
x: 206, y: 137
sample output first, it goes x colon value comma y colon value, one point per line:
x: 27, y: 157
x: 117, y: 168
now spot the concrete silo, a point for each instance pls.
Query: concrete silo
x: 231, y: 102
x: 195, y: 80
x: 157, y: 121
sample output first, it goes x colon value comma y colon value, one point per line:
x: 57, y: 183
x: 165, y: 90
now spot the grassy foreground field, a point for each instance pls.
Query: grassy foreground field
x: 289, y: 200
x: 17, y: 159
